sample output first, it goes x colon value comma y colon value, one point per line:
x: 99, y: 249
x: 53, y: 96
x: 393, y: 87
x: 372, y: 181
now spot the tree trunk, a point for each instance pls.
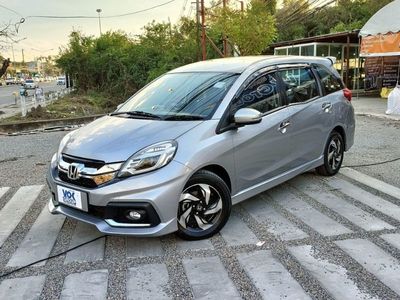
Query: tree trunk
x: 6, y: 63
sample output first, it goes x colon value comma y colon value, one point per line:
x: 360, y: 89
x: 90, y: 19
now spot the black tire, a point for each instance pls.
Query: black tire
x: 198, y: 209
x: 332, y: 165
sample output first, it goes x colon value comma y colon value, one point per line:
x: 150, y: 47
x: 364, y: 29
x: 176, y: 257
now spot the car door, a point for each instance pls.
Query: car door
x: 309, y: 114
x: 260, y: 150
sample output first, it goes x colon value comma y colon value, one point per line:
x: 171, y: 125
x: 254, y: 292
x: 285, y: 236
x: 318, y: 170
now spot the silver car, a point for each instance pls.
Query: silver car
x: 180, y: 152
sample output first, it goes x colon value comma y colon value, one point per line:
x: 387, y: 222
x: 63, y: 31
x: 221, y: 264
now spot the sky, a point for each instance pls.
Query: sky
x: 45, y: 36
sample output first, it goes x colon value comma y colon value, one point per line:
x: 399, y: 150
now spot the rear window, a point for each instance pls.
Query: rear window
x: 29, y: 81
x: 330, y: 82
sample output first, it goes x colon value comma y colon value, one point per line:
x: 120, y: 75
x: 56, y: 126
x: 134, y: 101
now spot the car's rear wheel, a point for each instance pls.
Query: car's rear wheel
x: 204, y: 206
x: 333, y: 155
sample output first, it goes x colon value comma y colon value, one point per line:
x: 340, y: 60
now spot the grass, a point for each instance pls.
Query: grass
x: 73, y: 105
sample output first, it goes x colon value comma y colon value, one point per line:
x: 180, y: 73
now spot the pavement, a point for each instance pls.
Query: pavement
x: 372, y: 107
x: 310, y: 238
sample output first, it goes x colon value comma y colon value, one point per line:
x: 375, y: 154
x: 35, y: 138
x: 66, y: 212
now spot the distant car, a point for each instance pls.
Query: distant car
x: 30, y: 84
x: 10, y: 81
x: 61, y: 81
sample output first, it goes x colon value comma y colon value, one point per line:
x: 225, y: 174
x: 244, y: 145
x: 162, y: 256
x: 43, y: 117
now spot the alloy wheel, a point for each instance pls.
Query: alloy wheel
x: 200, y: 207
x: 334, y: 153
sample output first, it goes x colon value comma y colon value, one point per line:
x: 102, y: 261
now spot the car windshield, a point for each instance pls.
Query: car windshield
x: 29, y: 81
x: 180, y: 96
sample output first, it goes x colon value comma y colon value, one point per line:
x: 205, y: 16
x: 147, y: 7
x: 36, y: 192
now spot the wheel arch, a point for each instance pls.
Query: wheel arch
x: 339, y: 129
x: 219, y: 171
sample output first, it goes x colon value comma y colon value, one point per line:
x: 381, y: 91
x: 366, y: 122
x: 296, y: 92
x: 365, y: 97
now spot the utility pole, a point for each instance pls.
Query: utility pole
x: 12, y: 49
x: 23, y: 57
x: 198, y: 29
x: 98, y: 12
x: 223, y: 34
x: 203, y: 32
x: 242, y: 6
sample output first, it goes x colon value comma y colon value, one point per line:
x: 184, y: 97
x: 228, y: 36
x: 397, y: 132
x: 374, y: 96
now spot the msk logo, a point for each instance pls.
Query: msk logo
x: 69, y: 197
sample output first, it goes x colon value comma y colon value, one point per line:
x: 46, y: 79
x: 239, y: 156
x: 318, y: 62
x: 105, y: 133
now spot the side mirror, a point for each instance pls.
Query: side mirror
x: 247, y: 116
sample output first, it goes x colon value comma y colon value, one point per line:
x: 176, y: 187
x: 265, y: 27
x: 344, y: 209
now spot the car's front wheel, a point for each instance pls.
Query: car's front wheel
x: 204, y: 206
x: 333, y: 155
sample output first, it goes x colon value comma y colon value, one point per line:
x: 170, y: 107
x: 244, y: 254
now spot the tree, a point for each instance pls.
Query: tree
x: 250, y: 31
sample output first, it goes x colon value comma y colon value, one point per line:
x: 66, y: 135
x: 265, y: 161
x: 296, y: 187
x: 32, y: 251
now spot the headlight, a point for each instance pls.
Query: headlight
x: 148, y: 159
x: 63, y: 142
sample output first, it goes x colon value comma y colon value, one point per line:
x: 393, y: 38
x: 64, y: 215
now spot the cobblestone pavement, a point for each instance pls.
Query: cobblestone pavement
x: 311, y: 238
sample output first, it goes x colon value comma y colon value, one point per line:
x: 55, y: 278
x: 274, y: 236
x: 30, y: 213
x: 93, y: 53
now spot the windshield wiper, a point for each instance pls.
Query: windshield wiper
x: 136, y: 113
x: 183, y: 118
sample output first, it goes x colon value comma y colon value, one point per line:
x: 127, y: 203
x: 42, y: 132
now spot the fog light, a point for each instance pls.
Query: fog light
x: 134, y: 215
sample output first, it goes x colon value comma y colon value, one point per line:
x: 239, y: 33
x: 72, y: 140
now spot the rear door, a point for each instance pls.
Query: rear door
x: 309, y: 113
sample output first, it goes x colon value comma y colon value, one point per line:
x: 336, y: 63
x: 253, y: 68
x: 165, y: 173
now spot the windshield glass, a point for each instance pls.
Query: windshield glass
x: 194, y: 94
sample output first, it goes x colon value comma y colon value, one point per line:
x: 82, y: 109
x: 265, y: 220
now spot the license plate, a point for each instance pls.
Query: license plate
x: 70, y: 197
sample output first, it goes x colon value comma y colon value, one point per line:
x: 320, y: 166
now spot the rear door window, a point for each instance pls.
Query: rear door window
x: 330, y: 83
x: 299, y: 84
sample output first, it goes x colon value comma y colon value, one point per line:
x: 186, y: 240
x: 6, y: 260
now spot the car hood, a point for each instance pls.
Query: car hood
x: 115, y: 139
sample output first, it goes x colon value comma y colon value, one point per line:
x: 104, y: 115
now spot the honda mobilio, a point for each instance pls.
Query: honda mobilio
x: 180, y: 152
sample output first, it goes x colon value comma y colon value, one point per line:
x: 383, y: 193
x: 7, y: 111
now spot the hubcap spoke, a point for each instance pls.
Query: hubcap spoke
x: 215, y: 209
x: 206, y: 191
x: 201, y: 223
x: 183, y: 218
x: 187, y: 196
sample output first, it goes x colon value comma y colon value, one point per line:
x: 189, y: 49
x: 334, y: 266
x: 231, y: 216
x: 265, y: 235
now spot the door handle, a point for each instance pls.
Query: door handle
x: 283, y: 126
x: 326, y: 107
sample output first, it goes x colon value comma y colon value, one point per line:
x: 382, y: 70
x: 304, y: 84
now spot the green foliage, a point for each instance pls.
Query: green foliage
x: 297, y: 19
x: 250, y: 30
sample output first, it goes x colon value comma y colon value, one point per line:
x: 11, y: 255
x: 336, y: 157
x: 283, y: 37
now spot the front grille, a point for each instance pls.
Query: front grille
x: 89, y: 163
x: 84, y: 182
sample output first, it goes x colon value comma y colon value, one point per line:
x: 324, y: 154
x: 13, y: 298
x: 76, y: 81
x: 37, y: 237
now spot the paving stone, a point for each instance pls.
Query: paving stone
x: 86, y: 285
x: 3, y: 191
x: 373, y: 201
x: 90, y: 252
x: 375, y: 260
x: 27, y: 288
x: 182, y: 245
x: 39, y: 241
x: 209, y: 279
x: 309, y: 215
x: 140, y: 247
x: 278, y: 225
x: 270, y: 277
x: 392, y: 238
x: 236, y: 232
x: 147, y: 282
x: 16, y: 208
x: 332, y: 277
x: 354, y: 214
x: 372, y: 182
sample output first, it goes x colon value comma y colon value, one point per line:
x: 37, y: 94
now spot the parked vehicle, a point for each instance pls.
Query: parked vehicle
x: 180, y: 152
x: 10, y: 81
x: 30, y: 84
x: 61, y: 81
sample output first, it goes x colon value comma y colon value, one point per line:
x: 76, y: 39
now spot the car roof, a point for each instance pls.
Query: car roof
x: 240, y: 64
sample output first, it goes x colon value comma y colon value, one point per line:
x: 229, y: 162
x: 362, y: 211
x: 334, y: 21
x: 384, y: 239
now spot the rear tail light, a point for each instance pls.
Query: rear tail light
x: 347, y: 93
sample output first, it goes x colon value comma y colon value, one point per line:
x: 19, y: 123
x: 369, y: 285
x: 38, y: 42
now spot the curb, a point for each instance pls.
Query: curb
x: 379, y: 116
x: 40, y: 124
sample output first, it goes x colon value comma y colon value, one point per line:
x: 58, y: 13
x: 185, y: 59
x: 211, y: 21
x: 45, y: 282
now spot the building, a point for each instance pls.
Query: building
x: 343, y: 45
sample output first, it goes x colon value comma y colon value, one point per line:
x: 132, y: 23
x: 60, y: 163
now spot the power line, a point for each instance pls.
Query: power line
x: 10, y: 9
x: 95, y: 17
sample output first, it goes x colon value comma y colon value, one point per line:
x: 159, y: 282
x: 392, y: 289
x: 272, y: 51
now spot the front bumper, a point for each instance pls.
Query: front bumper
x: 161, y: 189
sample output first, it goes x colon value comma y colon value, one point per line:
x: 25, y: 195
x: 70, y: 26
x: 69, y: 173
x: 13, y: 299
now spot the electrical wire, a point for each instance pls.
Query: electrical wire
x: 10, y: 9
x: 50, y: 257
x: 95, y: 17
x: 373, y: 164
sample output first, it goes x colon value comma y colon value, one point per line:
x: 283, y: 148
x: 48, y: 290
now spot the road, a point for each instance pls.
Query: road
x: 6, y: 92
x: 311, y: 238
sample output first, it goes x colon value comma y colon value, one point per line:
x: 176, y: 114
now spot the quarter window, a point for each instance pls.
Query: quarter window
x: 299, y: 84
x: 330, y: 83
x: 261, y: 94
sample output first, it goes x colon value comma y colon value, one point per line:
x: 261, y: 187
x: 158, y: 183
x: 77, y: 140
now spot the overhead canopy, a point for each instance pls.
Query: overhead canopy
x: 386, y: 20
